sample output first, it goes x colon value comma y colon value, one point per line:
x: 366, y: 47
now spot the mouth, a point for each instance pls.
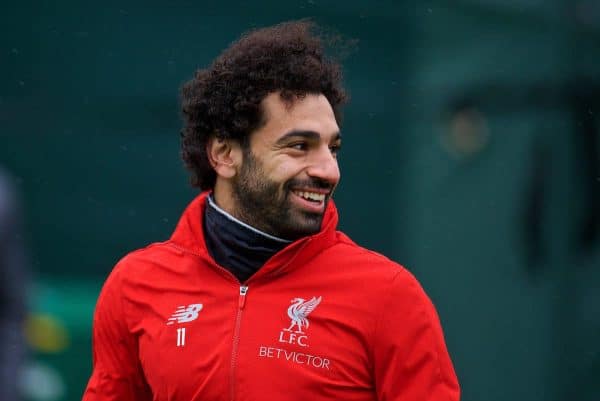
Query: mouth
x: 311, y: 201
x: 311, y: 196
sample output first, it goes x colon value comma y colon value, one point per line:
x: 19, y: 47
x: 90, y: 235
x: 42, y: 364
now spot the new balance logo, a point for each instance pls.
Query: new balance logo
x: 185, y: 314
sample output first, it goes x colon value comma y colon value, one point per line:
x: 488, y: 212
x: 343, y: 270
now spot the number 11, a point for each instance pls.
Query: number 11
x: 181, y: 336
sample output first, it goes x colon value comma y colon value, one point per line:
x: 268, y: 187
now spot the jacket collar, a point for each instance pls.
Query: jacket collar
x: 189, y: 235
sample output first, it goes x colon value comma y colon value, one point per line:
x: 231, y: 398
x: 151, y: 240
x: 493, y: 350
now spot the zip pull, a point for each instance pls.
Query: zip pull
x: 242, y: 300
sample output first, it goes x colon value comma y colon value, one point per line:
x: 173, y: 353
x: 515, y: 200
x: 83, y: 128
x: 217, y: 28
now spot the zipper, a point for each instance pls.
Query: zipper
x: 242, y: 299
x: 236, y: 338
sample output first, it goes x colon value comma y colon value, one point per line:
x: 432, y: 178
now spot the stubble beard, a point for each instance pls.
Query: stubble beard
x: 264, y: 204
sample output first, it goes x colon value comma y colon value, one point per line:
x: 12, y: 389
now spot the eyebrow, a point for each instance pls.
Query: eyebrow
x: 305, y: 134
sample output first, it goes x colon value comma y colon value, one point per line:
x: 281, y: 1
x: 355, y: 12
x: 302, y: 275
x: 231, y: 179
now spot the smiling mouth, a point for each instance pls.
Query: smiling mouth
x: 311, y: 196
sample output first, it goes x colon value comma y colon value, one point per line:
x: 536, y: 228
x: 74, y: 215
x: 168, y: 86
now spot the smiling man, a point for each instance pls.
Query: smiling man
x: 257, y: 296
x: 287, y: 173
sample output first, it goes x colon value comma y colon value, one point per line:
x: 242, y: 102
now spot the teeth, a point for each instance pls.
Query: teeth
x: 312, y: 196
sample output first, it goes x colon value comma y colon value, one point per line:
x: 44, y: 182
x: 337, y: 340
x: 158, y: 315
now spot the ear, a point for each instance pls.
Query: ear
x: 224, y: 155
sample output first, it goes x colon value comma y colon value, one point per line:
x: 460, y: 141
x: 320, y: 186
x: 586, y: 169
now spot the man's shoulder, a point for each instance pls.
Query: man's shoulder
x: 150, y: 251
x: 364, y: 265
x: 349, y: 252
x: 140, y: 262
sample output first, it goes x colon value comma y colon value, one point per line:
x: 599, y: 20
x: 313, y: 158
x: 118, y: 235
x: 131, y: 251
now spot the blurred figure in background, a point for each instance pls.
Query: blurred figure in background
x: 12, y: 290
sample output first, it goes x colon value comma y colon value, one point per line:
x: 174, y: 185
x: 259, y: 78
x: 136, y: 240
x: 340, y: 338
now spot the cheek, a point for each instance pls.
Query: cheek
x: 283, y: 171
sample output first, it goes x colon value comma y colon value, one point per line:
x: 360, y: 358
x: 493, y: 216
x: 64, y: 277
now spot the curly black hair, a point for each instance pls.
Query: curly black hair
x: 224, y: 99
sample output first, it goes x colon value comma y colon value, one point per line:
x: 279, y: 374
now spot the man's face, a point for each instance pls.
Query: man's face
x: 289, y: 170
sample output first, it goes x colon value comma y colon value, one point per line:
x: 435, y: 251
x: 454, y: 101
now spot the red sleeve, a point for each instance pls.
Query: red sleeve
x: 117, y: 373
x: 411, y: 361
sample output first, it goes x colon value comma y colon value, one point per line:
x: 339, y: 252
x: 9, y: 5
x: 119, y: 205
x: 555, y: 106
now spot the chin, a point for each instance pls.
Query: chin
x: 306, y: 226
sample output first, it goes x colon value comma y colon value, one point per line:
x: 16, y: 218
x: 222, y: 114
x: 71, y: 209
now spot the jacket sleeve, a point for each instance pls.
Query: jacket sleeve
x: 117, y: 374
x: 411, y: 362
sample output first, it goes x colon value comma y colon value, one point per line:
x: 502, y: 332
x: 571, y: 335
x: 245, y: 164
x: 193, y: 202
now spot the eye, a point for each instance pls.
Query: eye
x: 299, y: 146
x: 335, y: 148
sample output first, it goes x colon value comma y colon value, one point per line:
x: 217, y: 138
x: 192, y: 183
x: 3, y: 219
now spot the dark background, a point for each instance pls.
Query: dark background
x: 471, y: 156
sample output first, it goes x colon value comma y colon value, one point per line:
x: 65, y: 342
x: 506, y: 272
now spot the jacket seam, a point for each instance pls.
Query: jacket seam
x: 379, y: 318
x: 423, y: 311
x: 428, y: 323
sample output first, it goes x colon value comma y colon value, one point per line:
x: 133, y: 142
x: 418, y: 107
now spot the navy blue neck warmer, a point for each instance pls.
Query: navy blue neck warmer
x: 236, y: 246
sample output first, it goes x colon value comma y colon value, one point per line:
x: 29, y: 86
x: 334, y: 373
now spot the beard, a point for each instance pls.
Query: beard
x: 264, y: 204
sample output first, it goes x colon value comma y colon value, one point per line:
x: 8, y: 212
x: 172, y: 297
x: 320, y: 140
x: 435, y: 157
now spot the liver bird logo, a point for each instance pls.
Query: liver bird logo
x: 299, y: 310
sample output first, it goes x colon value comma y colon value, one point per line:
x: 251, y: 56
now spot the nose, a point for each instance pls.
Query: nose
x: 324, y: 166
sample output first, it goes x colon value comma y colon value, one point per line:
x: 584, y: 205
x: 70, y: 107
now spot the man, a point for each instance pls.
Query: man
x: 256, y: 296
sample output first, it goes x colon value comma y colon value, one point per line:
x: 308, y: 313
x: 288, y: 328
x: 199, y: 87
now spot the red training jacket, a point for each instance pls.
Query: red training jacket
x: 323, y: 319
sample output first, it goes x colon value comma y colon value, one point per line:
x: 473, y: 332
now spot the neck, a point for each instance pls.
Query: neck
x: 212, y: 203
x: 222, y: 196
x: 235, y: 245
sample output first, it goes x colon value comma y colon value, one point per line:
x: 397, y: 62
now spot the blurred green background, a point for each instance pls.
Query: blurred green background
x: 471, y: 156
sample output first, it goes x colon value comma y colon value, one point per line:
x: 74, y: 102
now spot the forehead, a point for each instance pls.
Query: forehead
x: 309, y: 113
